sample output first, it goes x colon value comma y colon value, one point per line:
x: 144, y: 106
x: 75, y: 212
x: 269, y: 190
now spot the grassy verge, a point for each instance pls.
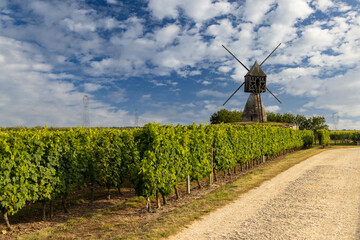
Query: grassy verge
x: 173, y: 222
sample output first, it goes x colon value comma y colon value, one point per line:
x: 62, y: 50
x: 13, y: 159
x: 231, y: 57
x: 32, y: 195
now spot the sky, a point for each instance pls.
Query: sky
x: 141, y: 61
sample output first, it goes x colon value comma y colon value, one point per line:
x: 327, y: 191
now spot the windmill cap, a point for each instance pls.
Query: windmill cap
x: 256, y: 70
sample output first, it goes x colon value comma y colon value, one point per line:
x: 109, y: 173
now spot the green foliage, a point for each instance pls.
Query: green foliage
x: 317, y: 122
x: 198, y: 151
x: 323, y: 136
x: 72, y: 162
x: 222, y: 149
x: 161, y: 150
x: 308, y: 140
x: 356, y: 137
x: 15, y: 170
x: 226, y: 116
x: 28, y: 168
x: 345, y: 136
x: 168, y: 154
x: 108, y: 158
x: 313, y: 123
x: 278, y: 117
x: 42, y: 164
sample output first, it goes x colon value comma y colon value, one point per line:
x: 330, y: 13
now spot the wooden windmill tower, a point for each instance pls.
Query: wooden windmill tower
x: 255, y: 83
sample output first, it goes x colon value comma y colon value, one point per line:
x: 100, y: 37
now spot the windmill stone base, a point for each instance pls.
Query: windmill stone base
x: 254, y: 109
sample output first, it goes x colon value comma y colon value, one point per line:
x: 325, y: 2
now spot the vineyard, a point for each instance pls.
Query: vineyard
x: 345, y: 136
x: 45, y: 165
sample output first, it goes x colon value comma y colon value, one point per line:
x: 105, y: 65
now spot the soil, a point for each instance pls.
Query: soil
x: 318, y: 198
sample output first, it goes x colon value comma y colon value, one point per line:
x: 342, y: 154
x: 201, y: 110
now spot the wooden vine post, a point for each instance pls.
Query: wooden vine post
x: 188, y: 185
x: 212, y: 167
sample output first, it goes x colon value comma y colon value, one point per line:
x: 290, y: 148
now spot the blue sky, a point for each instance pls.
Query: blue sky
x: 164, y: 59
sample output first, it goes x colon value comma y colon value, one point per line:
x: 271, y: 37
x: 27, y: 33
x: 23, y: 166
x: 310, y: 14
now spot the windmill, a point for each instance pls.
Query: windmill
x: 255, y: 83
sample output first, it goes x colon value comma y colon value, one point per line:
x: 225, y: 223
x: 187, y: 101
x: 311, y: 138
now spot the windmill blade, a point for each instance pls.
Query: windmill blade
x: 270, y: 54
x: 235, y: 58
x: 273, y: 95
x: 234, y: 93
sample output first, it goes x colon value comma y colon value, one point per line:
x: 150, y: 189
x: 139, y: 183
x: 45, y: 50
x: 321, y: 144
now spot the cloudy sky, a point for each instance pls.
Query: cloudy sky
x: 162, y: 60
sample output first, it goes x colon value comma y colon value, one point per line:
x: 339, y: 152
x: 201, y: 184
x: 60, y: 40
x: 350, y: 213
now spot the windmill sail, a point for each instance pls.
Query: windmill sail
x: 270, y: 54
x: 235, y: 58
x: 234, y: 93
x: 274, y: 95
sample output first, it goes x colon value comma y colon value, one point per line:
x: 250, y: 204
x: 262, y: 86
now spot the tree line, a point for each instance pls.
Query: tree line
x: 304, y: 123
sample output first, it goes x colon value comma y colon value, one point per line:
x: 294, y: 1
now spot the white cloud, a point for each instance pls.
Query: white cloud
x: 255, y: 10
x: 298, y: 81
x: 146, y: 97
x: 195, y: 72
x: 342, y: 7
x: 157, y: 83
x: 189, y: 51
x: 112, y: 1
x: 239, y: 73
x: 164, y: 8
x: 222, y: 29
x: 208, y: 108
x: 128, y: 51
x: 340, y: 94
x: 31, y: 95
x: 206, y: 83
x: 345, y: 124
x: 224, y: 69
x: 109, y: 23
x: 92, y: 87
x: 199, y: 10
x: 188, y: 105
x: 281, y: 22
x: 117, y: 96
x: 167, y: 34
x: 211, y: 93
x: 79, y: 26
x: 273, y: 108
x: 134, y: 28
x: 323, y: 5
x: 172, y: 83
x: 202, y: 10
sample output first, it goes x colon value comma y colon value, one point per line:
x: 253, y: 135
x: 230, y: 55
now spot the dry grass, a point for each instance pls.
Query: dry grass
x: 129, y: 220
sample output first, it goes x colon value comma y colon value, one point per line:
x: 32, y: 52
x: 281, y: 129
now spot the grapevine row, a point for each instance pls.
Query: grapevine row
x: 44, y: 165
x: 345, y: 136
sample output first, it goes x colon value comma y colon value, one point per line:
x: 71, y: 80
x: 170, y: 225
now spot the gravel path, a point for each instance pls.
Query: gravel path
x: 316, y: 199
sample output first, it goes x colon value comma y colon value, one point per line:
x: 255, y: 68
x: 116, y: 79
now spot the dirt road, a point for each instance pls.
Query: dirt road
x: 316, y: 199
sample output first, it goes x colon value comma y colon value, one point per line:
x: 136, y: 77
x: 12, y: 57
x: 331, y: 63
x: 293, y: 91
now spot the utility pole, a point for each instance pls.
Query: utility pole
x: 335, y: 117
x: 86, y: 119
x: 136, y: 115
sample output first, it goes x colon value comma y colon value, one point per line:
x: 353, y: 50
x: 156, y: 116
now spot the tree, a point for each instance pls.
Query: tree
x: 226, y: 116
x: 302, y: 122
x: 313, y: 123
x: 288, y: 118
x: 271, y: 116
x: 317, y: 122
